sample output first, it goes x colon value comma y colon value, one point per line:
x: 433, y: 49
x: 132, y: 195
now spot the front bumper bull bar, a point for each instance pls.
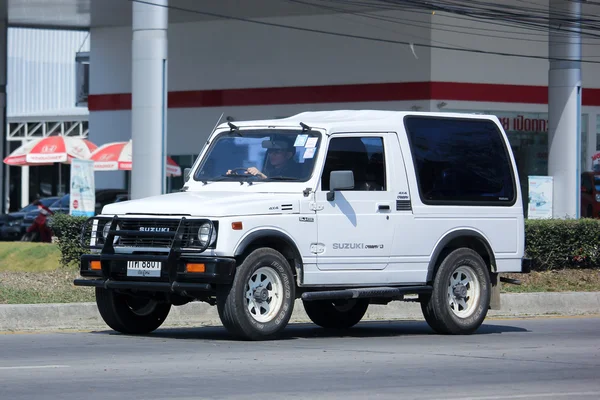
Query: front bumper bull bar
x: 173, y: 275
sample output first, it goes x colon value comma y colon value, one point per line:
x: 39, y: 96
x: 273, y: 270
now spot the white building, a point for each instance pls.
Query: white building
x: 42, y: 100
x: 269, y: 58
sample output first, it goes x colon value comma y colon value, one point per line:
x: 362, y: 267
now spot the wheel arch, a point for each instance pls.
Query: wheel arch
x: 461, y: 238
x: 276, y: 240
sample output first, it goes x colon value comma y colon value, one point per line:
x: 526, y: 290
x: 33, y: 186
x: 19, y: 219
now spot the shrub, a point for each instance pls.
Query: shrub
x: 551, y: 243
x: 558, y: 243
x: 67, y: 229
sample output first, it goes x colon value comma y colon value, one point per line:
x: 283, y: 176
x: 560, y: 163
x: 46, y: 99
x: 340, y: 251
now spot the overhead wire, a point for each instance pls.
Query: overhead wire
x: 424, y: 24
x: 492, y: 15
x: 453, y: 16
x: 354, y: 36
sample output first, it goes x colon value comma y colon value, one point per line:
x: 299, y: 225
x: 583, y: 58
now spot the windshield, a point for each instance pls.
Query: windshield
x: 45, y: 201
x: 62, y: 202
x: 260, y: 155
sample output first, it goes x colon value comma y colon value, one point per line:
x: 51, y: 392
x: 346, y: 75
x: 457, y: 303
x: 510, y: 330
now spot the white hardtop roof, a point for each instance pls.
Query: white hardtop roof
x: 345, y: 120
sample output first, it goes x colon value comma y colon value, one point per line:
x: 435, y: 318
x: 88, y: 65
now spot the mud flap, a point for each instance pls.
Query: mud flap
x: 495, y: 294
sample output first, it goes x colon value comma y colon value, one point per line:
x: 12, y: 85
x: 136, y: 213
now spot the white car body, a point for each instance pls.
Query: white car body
x: 356, y: 243
x: 409, y: 237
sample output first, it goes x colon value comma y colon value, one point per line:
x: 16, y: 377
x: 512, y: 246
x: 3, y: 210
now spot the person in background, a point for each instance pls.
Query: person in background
x: 40, y: 223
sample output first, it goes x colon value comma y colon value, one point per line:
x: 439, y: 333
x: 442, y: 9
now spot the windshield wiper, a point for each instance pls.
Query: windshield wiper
x: 282, y: 178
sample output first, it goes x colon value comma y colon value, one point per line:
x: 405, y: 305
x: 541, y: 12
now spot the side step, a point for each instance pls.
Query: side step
x: 365, y: 292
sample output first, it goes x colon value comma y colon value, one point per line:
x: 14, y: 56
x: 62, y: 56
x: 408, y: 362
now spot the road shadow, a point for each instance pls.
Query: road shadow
x: 311, y: 331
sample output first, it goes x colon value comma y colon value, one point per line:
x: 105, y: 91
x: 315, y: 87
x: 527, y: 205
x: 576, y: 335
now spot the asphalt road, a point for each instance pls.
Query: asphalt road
x: 555, y: 358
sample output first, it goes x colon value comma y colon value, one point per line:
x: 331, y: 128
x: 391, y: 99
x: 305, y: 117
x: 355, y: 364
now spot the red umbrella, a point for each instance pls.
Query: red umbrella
x: 117, y: 156
x: 50, y: 150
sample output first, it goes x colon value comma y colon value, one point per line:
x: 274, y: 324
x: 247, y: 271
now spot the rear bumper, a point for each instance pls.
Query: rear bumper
x: 173, y: 276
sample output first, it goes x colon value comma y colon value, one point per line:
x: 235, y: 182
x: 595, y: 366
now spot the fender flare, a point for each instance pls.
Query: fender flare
x: 450, y: 237
x: 263, y: 233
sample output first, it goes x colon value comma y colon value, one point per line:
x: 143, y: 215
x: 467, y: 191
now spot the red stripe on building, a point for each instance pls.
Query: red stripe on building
x: 371, y: 92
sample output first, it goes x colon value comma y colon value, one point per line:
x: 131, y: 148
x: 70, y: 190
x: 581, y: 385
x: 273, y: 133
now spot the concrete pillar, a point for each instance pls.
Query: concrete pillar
x: 149, y: 98
x: 564, y: 107
x: 4, y: 191
x: 24, y: 186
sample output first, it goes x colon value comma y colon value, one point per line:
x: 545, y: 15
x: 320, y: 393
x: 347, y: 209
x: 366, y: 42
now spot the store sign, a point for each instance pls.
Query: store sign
x: 521, y: 123
x: 540, y: 197
x: 83, y: 193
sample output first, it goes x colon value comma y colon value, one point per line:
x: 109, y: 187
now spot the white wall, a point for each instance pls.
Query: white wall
x: 232, y: 54
x: 41, y: 70
x: 454, y: 66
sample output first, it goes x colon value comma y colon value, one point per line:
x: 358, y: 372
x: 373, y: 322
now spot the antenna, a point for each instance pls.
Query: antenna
x: 232, y: 126
x: 305, y: 127
x: 215, y: 128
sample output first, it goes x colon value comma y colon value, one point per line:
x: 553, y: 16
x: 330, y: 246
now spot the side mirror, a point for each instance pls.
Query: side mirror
x: 186, y: 174
x: 339, y: 180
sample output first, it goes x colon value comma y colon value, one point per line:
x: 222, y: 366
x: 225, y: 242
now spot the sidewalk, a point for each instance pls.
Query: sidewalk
x: 85, y: 316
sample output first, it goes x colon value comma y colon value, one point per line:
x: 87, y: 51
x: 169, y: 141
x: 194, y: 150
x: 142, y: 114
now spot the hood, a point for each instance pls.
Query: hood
x: 209, y: 204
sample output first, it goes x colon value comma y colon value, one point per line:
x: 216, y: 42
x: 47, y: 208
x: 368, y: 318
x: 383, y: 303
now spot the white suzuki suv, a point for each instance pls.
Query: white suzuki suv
x: 340, y: 209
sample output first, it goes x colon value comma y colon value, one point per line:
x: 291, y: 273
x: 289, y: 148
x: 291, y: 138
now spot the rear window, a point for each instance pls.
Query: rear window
x: 460, y: 161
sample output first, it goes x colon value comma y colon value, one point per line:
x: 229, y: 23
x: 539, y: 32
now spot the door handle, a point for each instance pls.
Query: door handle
x: 383, y: 207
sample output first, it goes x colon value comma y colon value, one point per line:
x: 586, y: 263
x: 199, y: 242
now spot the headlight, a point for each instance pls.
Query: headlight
x: 107, y: 229
x: 204, y: 232
x: 598, y: 198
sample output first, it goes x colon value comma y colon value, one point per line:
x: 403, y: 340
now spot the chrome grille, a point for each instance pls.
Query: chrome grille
x: 146, y: 225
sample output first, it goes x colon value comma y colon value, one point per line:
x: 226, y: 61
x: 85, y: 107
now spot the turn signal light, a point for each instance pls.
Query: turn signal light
x: 195, y: 267
x: 96, y: 265
x: 236, y: 226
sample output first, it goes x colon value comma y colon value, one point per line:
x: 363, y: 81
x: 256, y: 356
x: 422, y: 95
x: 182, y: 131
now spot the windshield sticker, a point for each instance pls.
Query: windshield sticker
x: 309, y: 153
x: 312, y: 142
x: 300, y: 140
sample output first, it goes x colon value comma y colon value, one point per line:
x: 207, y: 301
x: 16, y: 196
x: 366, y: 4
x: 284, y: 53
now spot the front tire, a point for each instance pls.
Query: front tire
x: 260, y: 301
x: 341, y: 314
x: 461, y: 294
x: 128, y: 314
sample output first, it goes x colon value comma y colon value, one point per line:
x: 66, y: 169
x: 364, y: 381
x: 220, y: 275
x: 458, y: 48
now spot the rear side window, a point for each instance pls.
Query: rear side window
x: 460, y: 161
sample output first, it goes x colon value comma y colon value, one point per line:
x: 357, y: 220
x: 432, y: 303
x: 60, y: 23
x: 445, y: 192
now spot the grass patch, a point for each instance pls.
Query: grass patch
x: 563, y: 280
x: 31, y: 273
x: 28, y: 257
x: 42, y: 287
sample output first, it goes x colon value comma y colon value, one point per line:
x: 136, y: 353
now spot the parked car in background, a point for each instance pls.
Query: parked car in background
x: 12, y: 226
x: 590, y: 194
x: 61, y: 204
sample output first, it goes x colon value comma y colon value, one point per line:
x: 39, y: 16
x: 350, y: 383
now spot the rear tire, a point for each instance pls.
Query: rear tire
x: 343, y: 315
x: 259, y: 303
x: 461, y: 294
x: 128, y: 314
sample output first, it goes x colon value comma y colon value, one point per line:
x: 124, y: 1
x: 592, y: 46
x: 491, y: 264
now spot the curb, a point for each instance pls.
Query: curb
x: 85, y: 316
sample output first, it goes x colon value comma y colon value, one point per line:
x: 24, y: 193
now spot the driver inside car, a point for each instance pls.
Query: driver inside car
x: 280, y: 161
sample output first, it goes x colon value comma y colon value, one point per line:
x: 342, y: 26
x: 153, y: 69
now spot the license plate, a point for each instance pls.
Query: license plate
x: 143, y: 268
